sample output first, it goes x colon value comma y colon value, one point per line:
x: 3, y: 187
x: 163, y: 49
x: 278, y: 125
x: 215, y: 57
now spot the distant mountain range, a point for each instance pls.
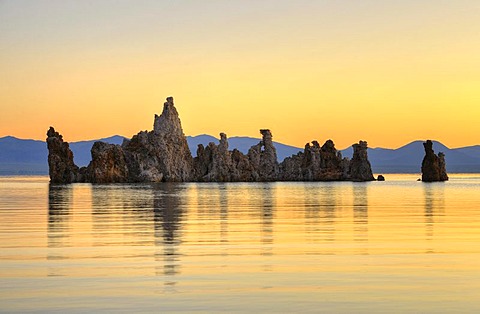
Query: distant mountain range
x: 27, y: 157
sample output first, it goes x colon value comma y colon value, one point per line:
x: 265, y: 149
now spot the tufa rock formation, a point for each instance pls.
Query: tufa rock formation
x: 108, y: 164
x: 62, y: 169
x: 263, y: 158
x: 360, y: 168
x: 162, y: 155
x: 433, y: 166
x: 326, y: 164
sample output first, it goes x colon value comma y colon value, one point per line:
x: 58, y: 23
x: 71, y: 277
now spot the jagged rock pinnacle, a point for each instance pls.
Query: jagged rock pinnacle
x: 62, y: 169
x: 168, y: 123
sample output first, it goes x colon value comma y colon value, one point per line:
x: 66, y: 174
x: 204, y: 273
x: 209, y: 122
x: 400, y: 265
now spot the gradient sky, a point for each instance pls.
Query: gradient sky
x: 388, y: 72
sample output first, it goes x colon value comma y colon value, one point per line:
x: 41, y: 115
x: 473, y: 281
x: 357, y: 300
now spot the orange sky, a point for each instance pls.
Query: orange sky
x: 388, y: 72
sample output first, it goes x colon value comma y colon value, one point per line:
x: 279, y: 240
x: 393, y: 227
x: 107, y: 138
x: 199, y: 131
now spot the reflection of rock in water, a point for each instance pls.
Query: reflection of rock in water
x: 59, y: 203
x: 268, y: 196
x: 223, y: 202
x: 434, y: 206
x: 320, y: 202
x: 360, y: 211
x: 122, y: 211
x: 312, y: 213
x: 262, y: 199
x: 168, y: 214
x: 328, y: 204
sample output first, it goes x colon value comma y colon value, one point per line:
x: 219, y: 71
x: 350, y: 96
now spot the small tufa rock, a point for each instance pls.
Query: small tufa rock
x: 380, y: 178
x: 360, y: 168
x: 433, y: 166
x: 62, y: 169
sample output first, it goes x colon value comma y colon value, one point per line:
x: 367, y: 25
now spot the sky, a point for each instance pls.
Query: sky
x: 388, y: 72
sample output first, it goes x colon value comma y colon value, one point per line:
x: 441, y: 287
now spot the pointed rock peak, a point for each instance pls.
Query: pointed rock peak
x: 267, y: 139
x: 360, y: 150
x: 52, y: 133
x: 329, y: 146
x: 168, y: 122
x: 169, y: 107
x: 428, y: 145
x: 223, y: 145
x: 223, y: 137
x: 266, y: 134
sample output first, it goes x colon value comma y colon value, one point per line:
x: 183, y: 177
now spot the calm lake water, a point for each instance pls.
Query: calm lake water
x: 394, y: 246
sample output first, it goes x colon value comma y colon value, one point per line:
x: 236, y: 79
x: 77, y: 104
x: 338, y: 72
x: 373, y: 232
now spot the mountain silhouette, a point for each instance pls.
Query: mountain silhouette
x: 29, y: 157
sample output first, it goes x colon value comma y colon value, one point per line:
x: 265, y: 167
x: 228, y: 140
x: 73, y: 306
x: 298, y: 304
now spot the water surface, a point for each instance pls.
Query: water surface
x: 394, y: 246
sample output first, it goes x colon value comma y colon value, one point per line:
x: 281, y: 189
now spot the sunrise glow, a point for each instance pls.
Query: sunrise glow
x: 346, y: 70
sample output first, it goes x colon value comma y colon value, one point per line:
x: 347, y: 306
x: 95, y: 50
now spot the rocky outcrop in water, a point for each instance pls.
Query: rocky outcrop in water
x: 62, y: 169
x: 108, y: 164
x: 315, y: 163
x: 162, y: 155
x: 325, y: 163
x: 215, y: 163
x: 360, y: 168
x: 433, y: 166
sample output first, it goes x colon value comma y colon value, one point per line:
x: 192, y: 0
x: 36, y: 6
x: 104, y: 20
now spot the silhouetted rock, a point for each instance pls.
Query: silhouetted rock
x: 360, y: 168
x: 443, y: 167
x: 380, y: 178
x: 433, y: 166
x: 62, y: 169
x: 163, y: 155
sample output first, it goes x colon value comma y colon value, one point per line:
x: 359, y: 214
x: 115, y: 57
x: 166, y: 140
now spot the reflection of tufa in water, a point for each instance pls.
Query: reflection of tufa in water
x: 162, y: 155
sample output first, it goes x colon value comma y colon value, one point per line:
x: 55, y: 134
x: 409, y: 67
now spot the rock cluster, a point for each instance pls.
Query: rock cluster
x: 162, y: 155
x: 325, y: 163
x: 215, y: 163
x: 433, y: 166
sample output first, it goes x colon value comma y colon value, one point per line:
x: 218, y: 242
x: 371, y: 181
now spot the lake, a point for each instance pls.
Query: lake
x: 334, y: 247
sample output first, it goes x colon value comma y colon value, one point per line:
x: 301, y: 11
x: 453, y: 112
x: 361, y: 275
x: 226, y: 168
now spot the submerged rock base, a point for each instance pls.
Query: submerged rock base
x: 162, y: 155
